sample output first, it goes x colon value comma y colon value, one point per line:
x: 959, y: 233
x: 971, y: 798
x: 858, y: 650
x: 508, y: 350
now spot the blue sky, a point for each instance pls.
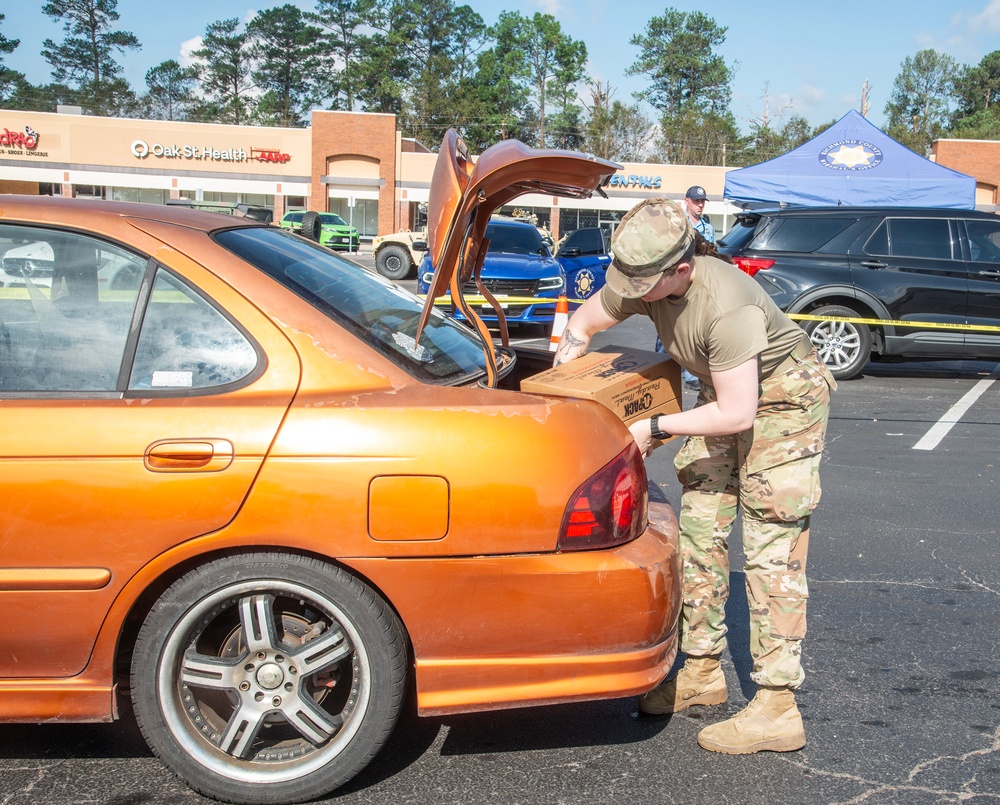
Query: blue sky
x: 814, y: 57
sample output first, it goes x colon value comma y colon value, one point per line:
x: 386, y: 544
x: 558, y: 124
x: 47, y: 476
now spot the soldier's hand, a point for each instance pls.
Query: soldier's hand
x: 640, y: 430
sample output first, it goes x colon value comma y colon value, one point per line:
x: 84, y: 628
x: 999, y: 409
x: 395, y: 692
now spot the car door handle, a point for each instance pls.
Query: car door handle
x: 990, y: 272
x: 189, y: 455
x: 874, y: 264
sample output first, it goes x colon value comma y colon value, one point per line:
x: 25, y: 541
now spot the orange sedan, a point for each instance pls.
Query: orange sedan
x: 253, y: 491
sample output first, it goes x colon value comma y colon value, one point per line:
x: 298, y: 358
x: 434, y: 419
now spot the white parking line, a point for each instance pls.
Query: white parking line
x: 940, y: 429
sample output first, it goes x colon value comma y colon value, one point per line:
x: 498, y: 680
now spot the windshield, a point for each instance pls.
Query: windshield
x: 332, y: 219
x: 515, y: 239
x: 381, y: 314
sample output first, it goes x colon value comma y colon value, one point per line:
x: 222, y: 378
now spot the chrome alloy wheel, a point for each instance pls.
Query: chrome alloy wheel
x: 264, y: 685
x: 837, y: 343
x: 268, y: 677
x: 845, y: 347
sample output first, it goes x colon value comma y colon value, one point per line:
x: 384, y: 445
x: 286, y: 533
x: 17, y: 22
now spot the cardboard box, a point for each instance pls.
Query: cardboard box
x: 633, y: 383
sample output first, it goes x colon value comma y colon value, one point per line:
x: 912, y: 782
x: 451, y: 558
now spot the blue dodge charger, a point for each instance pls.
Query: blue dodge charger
x: 519, y: 266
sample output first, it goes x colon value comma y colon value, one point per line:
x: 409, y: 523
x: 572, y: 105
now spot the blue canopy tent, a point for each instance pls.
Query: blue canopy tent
x: 851, y: 163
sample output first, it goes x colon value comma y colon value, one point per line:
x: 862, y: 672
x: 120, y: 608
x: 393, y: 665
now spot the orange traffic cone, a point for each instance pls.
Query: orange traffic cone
x: 559, y: 323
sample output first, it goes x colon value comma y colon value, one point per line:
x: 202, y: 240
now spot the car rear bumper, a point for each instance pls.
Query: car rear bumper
x: 496, y: 683
x: 494, y: 632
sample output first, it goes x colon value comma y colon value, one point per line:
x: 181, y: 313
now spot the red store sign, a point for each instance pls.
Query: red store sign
x: 26, y: 139
x: 269, y: 155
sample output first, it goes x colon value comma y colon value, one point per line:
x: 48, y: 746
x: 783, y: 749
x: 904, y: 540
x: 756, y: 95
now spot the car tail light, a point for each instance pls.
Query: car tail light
x: 751, y: 265
x: 610, y: 508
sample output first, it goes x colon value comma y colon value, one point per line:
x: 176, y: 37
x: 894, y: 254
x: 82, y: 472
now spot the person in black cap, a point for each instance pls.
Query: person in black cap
x: 694, y: 205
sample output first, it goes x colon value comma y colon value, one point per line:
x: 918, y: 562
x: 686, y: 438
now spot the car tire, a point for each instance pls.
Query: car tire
x: 394, y: 262
x: 845, y: 348
x: 268, y: 677
x: 311, y: 226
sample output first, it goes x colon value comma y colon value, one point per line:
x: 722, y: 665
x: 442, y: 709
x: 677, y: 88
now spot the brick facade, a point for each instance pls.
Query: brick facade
x: 978, y: 158
x: 335, y: 134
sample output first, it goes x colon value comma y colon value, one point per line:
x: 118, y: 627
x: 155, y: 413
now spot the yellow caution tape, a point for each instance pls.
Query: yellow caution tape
x: 986, y: 328
x: 531, y: 300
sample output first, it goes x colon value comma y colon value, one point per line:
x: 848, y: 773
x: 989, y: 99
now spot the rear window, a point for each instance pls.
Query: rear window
x: 797, y: 233
x: 736, y: 238
x: 381, y: 314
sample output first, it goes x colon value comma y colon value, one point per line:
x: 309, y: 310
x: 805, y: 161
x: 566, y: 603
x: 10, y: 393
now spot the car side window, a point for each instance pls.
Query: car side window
x: 878, y: 243
x: 185, y: 343
x: 588, y: 241
x: 984, y: 240
x: 920, y: 237
x: 798, y: 234
x: 66, y: 305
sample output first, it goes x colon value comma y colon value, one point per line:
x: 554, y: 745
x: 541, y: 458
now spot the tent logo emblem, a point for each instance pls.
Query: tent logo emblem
x: 850, y: 155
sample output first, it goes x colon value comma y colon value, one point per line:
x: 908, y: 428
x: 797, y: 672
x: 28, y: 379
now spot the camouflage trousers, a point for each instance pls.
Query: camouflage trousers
x: 769, y: 473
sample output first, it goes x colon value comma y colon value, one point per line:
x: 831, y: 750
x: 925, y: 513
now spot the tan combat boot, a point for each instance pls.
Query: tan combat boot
x: 771, y: 722
x: 700, y: 681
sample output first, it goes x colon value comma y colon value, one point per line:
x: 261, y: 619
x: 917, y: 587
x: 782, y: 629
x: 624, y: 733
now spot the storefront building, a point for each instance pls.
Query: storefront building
x: 353, y: 164
x: 979, y: 158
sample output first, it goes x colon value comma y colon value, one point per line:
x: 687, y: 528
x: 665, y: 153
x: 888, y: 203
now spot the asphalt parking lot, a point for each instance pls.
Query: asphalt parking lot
x: 902, y: 696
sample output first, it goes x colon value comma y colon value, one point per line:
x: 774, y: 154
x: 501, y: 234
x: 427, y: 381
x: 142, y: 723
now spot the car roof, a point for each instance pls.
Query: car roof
x: 86, y: 213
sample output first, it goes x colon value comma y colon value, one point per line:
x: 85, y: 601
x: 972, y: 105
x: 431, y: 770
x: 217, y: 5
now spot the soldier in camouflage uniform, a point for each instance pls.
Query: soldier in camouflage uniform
x: 754, y: 445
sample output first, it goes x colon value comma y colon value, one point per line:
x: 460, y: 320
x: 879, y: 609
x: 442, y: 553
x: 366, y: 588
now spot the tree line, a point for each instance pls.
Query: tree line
x: 436, y: 65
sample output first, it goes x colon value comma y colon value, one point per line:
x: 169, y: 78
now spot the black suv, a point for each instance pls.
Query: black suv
x: 901, y: 264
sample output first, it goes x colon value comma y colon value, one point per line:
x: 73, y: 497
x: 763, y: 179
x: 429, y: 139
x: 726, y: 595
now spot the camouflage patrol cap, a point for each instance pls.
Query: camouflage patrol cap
x: 652, y: 237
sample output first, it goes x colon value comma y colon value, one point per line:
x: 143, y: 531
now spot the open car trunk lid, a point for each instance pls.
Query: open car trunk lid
x: 464, y: 195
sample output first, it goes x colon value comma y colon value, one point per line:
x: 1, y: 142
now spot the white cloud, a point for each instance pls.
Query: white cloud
x: 847, y: 102
x: 988, y: 19
x: 553, y: 7
x: 810, y: 94
x: 187, y: 47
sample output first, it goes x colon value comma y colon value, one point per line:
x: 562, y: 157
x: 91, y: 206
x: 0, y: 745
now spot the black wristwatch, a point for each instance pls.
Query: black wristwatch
x: 654, y: 428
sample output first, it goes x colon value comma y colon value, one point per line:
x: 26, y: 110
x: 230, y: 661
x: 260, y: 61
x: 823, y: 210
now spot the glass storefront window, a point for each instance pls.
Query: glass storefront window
x: 254, y: 199
x: 257, y: 199
x: 539, y: 216
x: 88, y: 191
x: 146, y: 195
x: 210, y: 195
x: 363, y: 216
x: 580, y: 219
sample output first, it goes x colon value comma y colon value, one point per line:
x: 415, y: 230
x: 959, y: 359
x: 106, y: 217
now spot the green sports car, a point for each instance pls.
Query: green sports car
x: 334, y: 231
